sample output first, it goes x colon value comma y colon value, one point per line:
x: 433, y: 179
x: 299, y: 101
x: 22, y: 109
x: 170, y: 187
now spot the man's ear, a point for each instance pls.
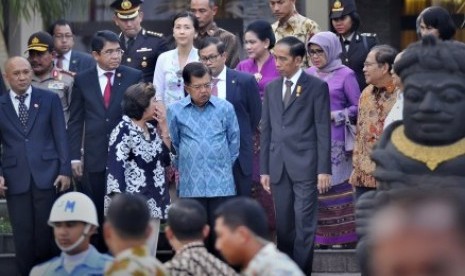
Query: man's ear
x: 205, y: 231
x: 169, y: 233
x: 107, y: 232
x: 385, y: 69
x: 148, y: 231
x: 214, y: 9
x: 115, y: 20
x: 95, y: 55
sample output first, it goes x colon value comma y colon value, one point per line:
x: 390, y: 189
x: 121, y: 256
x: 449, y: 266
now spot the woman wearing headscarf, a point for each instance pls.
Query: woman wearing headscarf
x: 336, y: 220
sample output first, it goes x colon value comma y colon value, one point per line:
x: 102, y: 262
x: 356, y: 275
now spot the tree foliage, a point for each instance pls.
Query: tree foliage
x: 48, y: 9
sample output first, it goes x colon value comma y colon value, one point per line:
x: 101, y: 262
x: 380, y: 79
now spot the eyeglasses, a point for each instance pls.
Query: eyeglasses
x: 200, y: 86
x: 63, y: 36
x: 209, y: 58
x: 110, y: 52
x: 317, y: 52
x: 368, y: 64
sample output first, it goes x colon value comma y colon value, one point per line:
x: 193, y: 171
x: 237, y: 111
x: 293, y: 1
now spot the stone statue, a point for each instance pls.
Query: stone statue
x: 427, y: 148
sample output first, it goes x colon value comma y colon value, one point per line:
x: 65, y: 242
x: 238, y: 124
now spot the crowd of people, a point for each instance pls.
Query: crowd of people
x: 252, y: 161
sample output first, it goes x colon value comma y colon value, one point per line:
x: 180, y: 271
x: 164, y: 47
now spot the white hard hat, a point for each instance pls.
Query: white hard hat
x: 73, y: 206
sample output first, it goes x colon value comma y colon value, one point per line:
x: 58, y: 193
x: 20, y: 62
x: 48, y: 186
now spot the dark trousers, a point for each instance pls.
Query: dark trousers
x: 243, y: 182
x: 296, y: 205
x: 94, y: 186
x: 211, y: 204
x: 359, y: 191
x: 32, y: 236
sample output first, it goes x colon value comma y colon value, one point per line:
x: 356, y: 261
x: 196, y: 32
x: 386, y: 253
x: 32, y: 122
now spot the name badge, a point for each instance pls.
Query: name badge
x: 144, y: 50
x: 56, y: 85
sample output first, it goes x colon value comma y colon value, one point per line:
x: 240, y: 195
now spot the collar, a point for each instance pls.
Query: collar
x: 431, y: 156
x: 140, y: 251
x: 67, y: 55
x: 210, y: 30
x: 222, y: 75
x: 295, y: 77
x: 187, y: 101
x: 389, y: 88
x: 292, y: 22
x: 349, y: 37
x: 187, y: 246
x: 48, y: 76
x: 101, y: 72
x: 13, y: 94
x: 91, y: 259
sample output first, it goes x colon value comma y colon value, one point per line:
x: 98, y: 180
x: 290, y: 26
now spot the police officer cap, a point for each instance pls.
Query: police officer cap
x: 126, y: 9
x: 40, y: 41
x: 341, y: 8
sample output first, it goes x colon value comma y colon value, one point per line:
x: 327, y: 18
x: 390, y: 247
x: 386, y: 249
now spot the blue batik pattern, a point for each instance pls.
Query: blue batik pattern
x: 206, y: 141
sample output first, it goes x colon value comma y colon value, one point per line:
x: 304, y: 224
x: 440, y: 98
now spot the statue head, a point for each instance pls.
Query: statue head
x: 433, y: 75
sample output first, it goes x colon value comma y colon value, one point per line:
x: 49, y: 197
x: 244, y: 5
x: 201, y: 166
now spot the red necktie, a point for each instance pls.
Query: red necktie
x: 107, y: 91
x: 214, y: 87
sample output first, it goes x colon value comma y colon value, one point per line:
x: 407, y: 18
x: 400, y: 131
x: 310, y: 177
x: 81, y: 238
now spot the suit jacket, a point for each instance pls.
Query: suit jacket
x: 144, y: 53
x: 88, y: 115
x: 299, y: 136
x: 242, y: 93
x: 359, y: 47
x: 80, y: 61
x: 41, y: 150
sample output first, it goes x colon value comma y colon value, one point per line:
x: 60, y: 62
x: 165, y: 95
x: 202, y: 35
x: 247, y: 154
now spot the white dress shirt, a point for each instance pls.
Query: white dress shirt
x: 65, y: 61
x: 294, y: 80
x: 221, y: 85
x: 102, y: 79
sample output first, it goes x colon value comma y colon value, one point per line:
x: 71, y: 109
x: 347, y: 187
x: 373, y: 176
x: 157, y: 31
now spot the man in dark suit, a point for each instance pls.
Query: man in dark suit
x: 295, y: 150
x: 141, y: 47
x: 241, y: 90
x: 66, y: 58
x: 94, y: 111
x: 34, y: 162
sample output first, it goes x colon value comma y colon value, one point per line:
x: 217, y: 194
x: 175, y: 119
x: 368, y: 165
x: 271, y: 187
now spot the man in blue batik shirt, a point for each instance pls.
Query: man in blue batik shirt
x: 205, y: 134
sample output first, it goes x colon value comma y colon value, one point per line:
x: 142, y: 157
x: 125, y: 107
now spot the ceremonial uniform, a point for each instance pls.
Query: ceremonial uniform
x: 298, y: 26
x: 355, y: 45
x: 60, y: 82
x: 358, y: 49
x: 142, y: 53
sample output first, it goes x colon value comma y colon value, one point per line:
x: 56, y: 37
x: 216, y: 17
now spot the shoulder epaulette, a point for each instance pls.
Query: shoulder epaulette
x: 154, y: 34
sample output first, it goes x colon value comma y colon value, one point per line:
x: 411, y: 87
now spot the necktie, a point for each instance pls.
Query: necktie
x: 59, y: 61
x: 22, y: 109
x: 129, y: 43
x: 346, y: 45
x: 107, y: 91
x: 215, y: 87
x: 287, y: 94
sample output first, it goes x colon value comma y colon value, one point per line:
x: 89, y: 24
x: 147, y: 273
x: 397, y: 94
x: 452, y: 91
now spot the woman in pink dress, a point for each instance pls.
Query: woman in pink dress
x: 258, y: 41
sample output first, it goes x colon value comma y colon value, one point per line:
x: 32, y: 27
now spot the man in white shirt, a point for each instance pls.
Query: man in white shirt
x: 242, y: 238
